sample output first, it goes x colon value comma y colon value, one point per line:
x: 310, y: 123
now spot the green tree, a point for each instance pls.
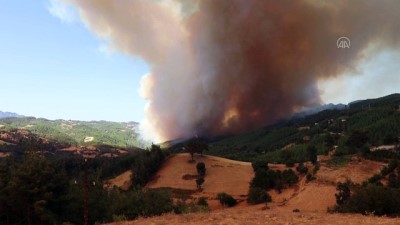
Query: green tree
x: 257, y: 196
x: 201, y: 169
x: 301, y: 168
x: 195, y: 145
x: 344, y: 193
x: 202, y: 201
x: 199, y: 182
x: 226, y: 199
x: 35, y: 188
x: 259, y: 164
x: 312, y: 153
x: 357, y: 139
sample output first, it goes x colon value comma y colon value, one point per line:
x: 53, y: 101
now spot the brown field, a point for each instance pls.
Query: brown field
x: 223, y: 175
x: 357, y: 170
x: 122, y: 181
x: 233, y: 177
x: 257, y: 216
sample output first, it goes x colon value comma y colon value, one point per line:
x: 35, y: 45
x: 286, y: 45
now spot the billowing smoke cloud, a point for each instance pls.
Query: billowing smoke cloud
x: 232, y: 65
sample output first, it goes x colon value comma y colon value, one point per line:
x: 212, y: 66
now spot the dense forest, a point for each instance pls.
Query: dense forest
x: 358, y: 126
x: 65, y: 190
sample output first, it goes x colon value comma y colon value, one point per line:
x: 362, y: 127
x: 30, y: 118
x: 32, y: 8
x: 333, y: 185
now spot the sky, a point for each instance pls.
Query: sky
x: 52, y: 66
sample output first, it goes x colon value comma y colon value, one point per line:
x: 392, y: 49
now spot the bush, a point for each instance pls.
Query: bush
x: 199, y: 182
x: 309, y: 177
x: 289, y: 163
x: 201, y: 169
x: 312, y: 153
x: 202, y: 201
x: 267, y: 179
x: 375, y: 178
x: 343, y: 194
x: 155, y: 202
x: 316, y: 168
x: 289, y: 177
x: 301, y: 168
x: 182, y: 207
x: 372, y: 198
x: 226, y: 199
x: 259, y: 164
x: 257, y: 196
x: 264, y: 179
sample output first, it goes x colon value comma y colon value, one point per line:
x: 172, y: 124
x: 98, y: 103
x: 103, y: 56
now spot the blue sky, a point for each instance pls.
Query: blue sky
x: 59, y: 70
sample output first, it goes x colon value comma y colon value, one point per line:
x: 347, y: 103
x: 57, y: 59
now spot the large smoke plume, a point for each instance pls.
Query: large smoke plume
x: 232, y: 65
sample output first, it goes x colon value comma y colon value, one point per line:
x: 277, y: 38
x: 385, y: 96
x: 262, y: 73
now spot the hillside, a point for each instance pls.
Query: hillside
x: 311, y: 198
x: 233, y: 177
x: 378, y: 119
x: 257, y: 216
x: 82, y: 133
x: 223, y: 175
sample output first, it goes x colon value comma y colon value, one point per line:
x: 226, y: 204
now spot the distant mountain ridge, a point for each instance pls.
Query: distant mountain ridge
x: 318, y: 108
x: 9, y: 114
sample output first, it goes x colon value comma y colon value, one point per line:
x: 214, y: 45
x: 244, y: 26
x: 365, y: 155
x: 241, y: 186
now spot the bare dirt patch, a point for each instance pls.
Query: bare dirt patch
x: 122, y: 181
x: 355, y: 170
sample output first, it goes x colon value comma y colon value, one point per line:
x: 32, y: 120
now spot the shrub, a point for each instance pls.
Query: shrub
x: 182, y: 207
x: 264, y: 179
x: 259, y: 164
x: 289, y: 177
x: 226, y: 199
x: 199, y: 182
x: 375, y: 178
x: 290, y: 163
x: 202, y: 201
x: 201, y: 169
x: 257, y: 196
x: 392, y: 165
x: 372, y: 198
x: 155, y: 202
x: 309, y: 177
x: 312, y: 153
x: 301, y: 168
x: 343, y: 194
x: 316, y: 168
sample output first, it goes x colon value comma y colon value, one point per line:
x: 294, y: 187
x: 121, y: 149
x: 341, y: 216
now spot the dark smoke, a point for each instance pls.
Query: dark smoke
x: 229, y: 66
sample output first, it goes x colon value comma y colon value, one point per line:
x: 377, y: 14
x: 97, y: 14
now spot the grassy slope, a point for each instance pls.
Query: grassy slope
x: 73, y: 132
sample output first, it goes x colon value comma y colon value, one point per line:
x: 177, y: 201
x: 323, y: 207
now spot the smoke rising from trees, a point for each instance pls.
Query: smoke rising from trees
x: 228, y: 66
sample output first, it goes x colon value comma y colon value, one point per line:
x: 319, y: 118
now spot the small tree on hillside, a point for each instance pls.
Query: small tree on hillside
x: 344, y: 193
x: 312, y: 153
x: 226, y: 199
x: 201, y: 169
x: 195, y: 146
x: 301, y: 168
x: 257, y: 195
x: 259, y: 164
x: 199, y: 182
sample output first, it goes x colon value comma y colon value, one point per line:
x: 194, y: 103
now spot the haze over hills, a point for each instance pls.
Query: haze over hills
x: 9, y: 114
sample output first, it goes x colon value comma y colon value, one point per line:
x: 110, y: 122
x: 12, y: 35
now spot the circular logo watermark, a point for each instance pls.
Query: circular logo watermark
x: 343, y: 42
